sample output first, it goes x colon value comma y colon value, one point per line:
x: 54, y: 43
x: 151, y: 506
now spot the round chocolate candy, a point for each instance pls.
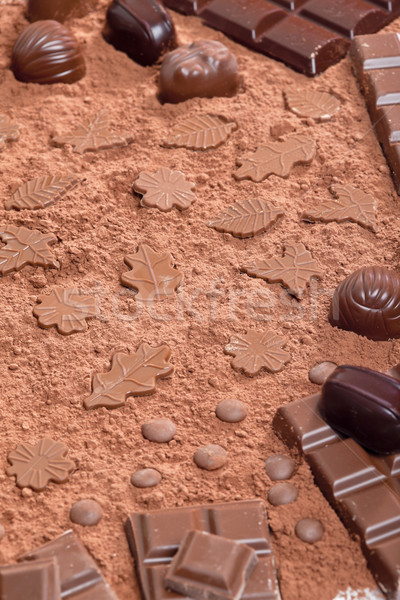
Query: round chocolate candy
x: 368, y: 303
x: 143, y: 29
x: 47, y: 52
x: 202, y: 69
x: 365, y: 405
x: 59, y: 10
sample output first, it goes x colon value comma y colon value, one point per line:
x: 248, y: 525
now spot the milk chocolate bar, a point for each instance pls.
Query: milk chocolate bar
x: 307, y: 35
x: 376, y: 61
x: 36, y: 581
x: 362, y: 486
x: 154, y: 539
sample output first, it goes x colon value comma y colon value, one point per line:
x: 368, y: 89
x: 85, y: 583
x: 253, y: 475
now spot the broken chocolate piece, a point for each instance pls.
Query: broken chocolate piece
x: 143, y: 29
x: 155, y: 537
x: 38, y: 581
x: 376, y: 61
x: 363, y: 487
x: 365, y: 405
x: 254, y: 352
x: 202, y: 69
x: 210, y: 567
x: 368, y: 303
x: 80, y: 577
x: 47, y: 52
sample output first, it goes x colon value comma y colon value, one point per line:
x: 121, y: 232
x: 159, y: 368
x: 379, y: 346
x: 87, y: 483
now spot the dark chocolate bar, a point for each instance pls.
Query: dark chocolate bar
x: 307, y: 35
x: 80, y: 577
x: 376, y: 61
x: 154, y: 539
x: 36, y: 581
x: 363, y: 487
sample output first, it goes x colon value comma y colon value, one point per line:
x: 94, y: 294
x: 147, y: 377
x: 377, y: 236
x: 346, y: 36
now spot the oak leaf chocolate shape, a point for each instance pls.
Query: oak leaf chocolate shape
x: 9, y: 131
x: 165, y: 189
x: 295, y: 270
x: 41, y: 192
x: 34, y: 466
x: 202, y: 69
x: 276, y: 158
x: 47, y: 52
x: 319, y: 106
x: 247, y: 218
x: 349, y: 204
x: 200, y: 132
x: 130, y: 375
x: 256, y: 351
x: 25, y: 247
x: 94, y: 134
x: 367, y: 302
x: 65, y: 308
x: 152, y: 274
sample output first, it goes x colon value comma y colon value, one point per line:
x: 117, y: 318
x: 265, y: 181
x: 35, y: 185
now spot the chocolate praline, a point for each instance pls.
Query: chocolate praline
x: 368, y: 303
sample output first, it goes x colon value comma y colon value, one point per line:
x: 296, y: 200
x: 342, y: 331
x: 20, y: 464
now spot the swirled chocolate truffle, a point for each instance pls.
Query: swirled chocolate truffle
x: 143, y: 29
x: 368, y: 303
x: 47, y: 52
x: 203, y: 69
x: 59, y: 10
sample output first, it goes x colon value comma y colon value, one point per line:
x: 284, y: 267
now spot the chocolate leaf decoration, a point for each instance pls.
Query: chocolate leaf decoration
x: 65, y: 308
x: 9, y: 132
x: 25, y: 247
x: 165, y: 189
x: 152, y: 274
x: 41, y: 192
x: 34, y: 466
x: 94, y: 134
x: 350, y: 204
x: 276, y: 158
x: 319, y: 106
x: 294, y: 270
x: 247, y: 218
x: 130, y: 375
x: 200, y: 132
x: 256, y: 351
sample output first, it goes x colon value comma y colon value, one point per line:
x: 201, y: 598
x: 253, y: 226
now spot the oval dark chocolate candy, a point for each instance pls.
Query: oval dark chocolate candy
x: 368, y: 303
x: 365, y: 405
x: 203, y: 69
x: 143, y: 29
x: 59, y: 10
x: 47, y: 52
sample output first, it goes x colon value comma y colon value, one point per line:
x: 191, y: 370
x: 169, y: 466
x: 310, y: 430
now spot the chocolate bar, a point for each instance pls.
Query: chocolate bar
x: 154, y: 538
x: 40, y: 579
x: 307, y: 35
x: 363, y: 487
x: 80, y: 577
x: 376, y: 62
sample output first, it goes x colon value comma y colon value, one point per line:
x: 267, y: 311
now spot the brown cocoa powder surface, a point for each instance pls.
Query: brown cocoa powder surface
x: 45, y: 376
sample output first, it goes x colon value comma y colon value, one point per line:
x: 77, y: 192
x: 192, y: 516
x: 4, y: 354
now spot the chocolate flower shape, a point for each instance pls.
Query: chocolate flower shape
x: 256, y: 351
x: 35, y: 466
x: 165, y: 189
x: 67, y: 309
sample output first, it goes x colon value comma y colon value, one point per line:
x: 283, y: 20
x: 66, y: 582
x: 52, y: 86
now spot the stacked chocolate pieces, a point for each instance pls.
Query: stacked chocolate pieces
x: 168, y: 547
x: 376, y: 61
x: 363, y: 487
x: 307, y: 35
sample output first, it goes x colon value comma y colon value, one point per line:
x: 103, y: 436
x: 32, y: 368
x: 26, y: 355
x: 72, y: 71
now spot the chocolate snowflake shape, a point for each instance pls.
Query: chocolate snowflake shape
x: 165, y: 189
x: 35, y: 466
x: 254, y: 352
x: 25, y: 247
x: 67, y: 309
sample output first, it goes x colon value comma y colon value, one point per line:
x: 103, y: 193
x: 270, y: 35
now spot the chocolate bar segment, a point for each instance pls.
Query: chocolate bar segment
x: 154, y: 538
x: 376, y: 62
x: 36, y: 581
x: 362, y: 486
x: 308, y: 35
x: 80, y: 577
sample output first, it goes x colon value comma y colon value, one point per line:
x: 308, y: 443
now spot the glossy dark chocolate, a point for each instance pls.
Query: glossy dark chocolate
x: 365, y: 405
x: 308, y: 35
x: 59, y: 10
x: 368, y: 303
x: 143, y: 29
x: 203, y: 69
x: 47, y: 52
x: 363, y: 487
x: 376, y: 61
